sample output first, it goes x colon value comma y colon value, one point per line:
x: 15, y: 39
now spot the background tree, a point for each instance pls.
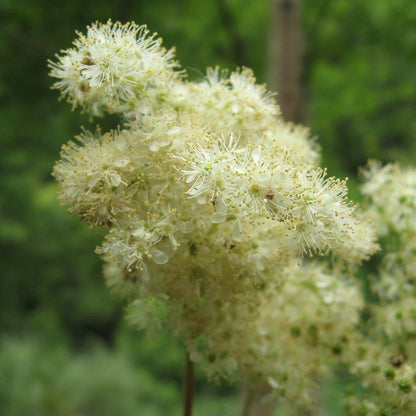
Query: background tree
x: 285, y: 58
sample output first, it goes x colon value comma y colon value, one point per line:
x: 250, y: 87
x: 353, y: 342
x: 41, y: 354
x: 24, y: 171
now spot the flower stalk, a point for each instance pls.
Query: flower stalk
x: 189, y: 386
x: 249, y: 394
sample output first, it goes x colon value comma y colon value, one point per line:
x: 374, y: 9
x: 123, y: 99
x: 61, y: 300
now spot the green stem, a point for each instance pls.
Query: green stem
x: 189, y: 381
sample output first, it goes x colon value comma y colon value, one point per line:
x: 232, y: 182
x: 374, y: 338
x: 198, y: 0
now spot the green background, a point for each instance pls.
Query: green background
x: 64, y: 347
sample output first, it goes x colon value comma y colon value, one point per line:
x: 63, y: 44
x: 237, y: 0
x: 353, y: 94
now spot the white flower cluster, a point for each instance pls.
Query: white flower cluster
x: 388, y: 363
x: 301, y: 331
x: 391, y: 191
x: 210, y: 200
x: 109, y: 66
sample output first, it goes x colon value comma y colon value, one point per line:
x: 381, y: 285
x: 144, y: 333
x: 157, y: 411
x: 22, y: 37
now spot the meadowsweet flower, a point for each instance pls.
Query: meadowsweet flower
x: 257, y: 183
x: 94, y: 176
x: 392, y: 192
x: 112, y: 65
x: 387, y: 367
x: 209, y: 199
x: 244, y: 105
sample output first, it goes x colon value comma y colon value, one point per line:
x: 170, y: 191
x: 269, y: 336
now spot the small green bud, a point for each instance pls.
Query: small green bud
x: 337, y: 349
x: 389, y: 373
x: 212, y: 357
x: 193, y: 248
x: 404, y: 385
x: 399, y: 315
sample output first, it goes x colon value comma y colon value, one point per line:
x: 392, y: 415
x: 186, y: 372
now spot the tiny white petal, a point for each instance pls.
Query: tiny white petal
x: 159, y: 257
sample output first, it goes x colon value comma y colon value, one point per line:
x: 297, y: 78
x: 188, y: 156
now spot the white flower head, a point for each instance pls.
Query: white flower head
x: 111, y: 65
x: 209, y: 199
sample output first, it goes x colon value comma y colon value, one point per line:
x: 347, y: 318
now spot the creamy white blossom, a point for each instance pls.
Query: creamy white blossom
x: 386, y: 362
x: 210, y: 200
x: 111, y: 66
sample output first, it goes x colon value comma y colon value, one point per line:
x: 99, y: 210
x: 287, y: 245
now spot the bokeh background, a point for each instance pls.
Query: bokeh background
x: 65, y: 349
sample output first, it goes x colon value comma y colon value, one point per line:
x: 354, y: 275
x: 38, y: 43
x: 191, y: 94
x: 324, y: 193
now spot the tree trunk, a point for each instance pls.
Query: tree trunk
x: 285, y: 57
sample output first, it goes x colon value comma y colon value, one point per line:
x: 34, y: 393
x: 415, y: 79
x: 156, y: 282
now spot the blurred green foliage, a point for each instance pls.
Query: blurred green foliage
x: 361, y: 85
x: 39, y: 378
x: 65, y: 349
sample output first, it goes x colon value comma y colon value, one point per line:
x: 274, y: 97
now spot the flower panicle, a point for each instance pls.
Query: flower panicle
x: 209, y: 200
x: 112, y: 65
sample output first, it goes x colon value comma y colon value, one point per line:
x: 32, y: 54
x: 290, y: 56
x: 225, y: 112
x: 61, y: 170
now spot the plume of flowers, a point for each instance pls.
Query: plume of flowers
x: 387, y: 363
x: 210, y: 200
